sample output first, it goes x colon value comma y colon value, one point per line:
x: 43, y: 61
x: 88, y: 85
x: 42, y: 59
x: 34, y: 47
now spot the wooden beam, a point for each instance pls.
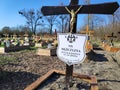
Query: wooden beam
x: 73, y: 2
x: 90, y: 79
x: 90, y: 31
x: 103, y: 8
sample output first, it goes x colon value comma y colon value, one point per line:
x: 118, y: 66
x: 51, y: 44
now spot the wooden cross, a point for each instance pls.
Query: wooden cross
x: 111, y: 37
x: 105, y: 8
x: 87, y: 31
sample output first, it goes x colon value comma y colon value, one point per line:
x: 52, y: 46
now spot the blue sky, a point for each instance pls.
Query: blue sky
x: 9, y: 9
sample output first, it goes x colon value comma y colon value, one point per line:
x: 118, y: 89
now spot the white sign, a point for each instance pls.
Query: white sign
x: 71, y: 48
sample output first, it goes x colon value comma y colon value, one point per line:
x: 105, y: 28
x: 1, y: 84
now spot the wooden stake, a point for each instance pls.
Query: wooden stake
x: 69, y: 72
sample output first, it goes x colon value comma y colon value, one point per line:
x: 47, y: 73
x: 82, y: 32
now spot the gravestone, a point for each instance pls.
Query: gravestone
x: 73, y: 9
x: 26, y: 39
x: 7, y: 43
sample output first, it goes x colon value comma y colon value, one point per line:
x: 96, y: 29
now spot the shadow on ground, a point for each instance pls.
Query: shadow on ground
x: 98, y: 48
x: 96, y: 57
x: 104, y: 80
x: 16, y: 80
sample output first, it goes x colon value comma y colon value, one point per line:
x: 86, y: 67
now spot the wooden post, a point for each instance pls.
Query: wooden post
x: 69, y: 69
x: 69, y: 72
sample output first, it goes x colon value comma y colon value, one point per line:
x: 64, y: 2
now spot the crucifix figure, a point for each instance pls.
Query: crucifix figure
x: 73, y: 17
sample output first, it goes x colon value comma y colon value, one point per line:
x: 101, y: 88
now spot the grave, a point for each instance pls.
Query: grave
x: 45, y: 48
x: 106, y: 8
x: 56, y: 75
x: 90, y: 33
x: 46, y: 52
x: 12, y: 44
x: 110, y: 47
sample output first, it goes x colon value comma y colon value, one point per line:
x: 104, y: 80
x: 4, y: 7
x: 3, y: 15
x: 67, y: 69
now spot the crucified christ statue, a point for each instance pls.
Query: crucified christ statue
x: 73, y: 17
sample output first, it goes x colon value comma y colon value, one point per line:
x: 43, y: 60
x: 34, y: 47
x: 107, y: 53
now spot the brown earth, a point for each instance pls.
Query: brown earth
x: 28, y: 67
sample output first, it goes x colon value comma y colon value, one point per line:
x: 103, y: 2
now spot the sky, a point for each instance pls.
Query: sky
x: 9, y: 15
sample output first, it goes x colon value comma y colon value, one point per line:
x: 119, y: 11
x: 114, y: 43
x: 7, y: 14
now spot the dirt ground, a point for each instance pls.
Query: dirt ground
x: 29, y: 66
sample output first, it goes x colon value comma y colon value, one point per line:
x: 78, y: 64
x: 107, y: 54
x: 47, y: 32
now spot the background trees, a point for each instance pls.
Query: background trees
x: 51, y: 20
x: 33, y: 18
x: 37, y: 23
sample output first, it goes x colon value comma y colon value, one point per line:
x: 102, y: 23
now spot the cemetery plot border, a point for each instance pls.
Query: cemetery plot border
x: 2, y: 50
x: 46, y: 52
x: 16, y: 48
x: 90, y: 79
x: 109, y: 48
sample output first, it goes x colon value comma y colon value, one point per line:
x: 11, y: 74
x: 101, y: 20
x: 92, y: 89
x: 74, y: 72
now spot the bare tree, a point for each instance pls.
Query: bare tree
x: 51, y: 21
x: 63, y: 22
x: 33, y: 18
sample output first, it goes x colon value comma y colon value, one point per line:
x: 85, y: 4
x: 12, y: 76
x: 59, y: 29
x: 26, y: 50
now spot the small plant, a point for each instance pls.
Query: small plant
x: 6, y: 59
x: 1, y: 45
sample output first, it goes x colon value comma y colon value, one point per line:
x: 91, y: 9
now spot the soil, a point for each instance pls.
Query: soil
x: 57, y: 82
x: 28, y: 67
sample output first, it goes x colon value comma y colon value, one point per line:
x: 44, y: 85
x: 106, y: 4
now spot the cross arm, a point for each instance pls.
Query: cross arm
x: 112, y: 36
x: 53, y: 10
x: 104, y: 8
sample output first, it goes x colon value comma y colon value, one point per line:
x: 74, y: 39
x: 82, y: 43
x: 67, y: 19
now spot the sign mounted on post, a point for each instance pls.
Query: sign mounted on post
x: 71, y: 48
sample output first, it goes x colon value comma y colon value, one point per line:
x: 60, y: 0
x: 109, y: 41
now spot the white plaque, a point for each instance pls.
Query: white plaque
x: 71, y: 48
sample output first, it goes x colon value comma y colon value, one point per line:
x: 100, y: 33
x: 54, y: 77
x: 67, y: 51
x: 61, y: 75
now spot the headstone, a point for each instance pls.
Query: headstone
x: 26, y: 40
x: 49, y: 46
x: 7, y: 43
